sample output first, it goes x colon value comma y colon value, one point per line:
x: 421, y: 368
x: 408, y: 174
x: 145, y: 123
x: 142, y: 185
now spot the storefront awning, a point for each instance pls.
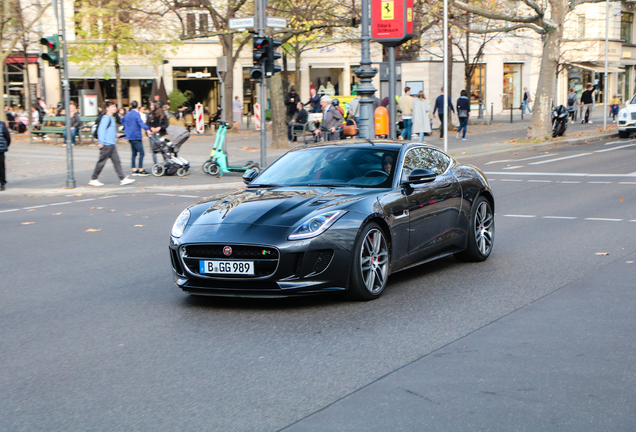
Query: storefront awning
x: 595, y: 67
x: 127, y: 72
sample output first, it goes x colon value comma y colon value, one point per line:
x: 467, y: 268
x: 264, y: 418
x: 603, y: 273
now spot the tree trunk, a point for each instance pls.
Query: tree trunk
x: 297, y: 78
x: 118, y: 90
x: 540, y: 123
x: 228, y: 78
x: 27, y: 88
x: 279, y: 121
x: 2, y: 116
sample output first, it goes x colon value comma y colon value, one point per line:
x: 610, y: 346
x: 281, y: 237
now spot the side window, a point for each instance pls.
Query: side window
x: 424, y: 158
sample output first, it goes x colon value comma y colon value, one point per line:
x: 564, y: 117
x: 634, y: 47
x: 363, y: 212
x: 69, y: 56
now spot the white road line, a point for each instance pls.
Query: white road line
x: 106, y: 197
x: 34, y: 207
x: 166, y: 195
x: 524, y: 159
x: 513, y: 167
x: 84, y: 200
x: 7, y: 211
x: 521, y: 216
x: 633, y: 220
x: 188, y: 196
x: 539, y: 181
x: 512, y: 180
x: 560, y: 159
x: 570, y: 182
x: 599, y: 182
x: 62, y: 203
x: 626, y: 182
x: 559, y: 217
x: 614, y: 148
x: 604, y: 219
x: 618, y: 142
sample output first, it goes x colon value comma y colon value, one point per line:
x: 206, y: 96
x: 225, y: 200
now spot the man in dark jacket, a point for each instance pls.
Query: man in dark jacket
x: 133, y: 124
x: 314, y: 101
x: 439, y: 108
x: 297, y: 122
x: 587, y: 101
x: 5, y: 142
x: 290, y: 102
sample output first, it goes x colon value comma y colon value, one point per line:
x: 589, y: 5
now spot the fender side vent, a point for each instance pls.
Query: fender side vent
x: 324, y: 258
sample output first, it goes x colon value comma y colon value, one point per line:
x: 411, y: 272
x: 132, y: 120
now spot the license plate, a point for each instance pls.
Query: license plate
x: 227, y: 267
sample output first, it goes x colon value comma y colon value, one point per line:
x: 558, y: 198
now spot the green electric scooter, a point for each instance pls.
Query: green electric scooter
x: 218, y: 165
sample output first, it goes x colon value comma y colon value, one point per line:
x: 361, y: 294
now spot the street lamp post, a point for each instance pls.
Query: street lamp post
x: 365, y: 74
x: 446, y: 95
x: 605, y: 77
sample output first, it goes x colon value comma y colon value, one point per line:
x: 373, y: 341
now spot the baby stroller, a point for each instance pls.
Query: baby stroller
x: 169, y: 147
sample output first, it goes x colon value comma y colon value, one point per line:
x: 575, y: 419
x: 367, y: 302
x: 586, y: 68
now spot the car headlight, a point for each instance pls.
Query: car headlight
x: 624, y: 115
x: 180, y: 224
x: 316, y: 225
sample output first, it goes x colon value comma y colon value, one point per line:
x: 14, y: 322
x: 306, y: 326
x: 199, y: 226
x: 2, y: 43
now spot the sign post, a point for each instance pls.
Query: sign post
x: 391, y: 26
x: 198, y: 112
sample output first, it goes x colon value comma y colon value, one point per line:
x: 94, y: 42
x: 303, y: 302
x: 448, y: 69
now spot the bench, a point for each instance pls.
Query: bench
x: 59, y: 130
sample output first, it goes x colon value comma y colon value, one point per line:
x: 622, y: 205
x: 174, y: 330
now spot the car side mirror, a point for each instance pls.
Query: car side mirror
x: 250, y: 175
x: 421, y: 176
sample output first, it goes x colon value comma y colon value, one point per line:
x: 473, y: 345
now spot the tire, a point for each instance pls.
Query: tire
x: 623, y: 134
x: 253, y: 166
x: 481, y: 233
x: 158, y: 170
x: 561, y: 129
x: 182, y: 172
x: 206, y: 166
x: 370, y: 264
x: 214, y: 169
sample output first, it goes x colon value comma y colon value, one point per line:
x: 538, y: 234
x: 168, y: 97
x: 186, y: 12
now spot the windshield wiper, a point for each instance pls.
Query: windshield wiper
x: 328, y: 185
x: 262, y: 185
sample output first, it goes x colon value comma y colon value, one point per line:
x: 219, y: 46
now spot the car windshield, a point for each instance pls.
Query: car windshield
x: 332, y: 167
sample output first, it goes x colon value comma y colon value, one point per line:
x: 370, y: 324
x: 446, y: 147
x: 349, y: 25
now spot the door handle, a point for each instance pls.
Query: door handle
x: 405, y: 213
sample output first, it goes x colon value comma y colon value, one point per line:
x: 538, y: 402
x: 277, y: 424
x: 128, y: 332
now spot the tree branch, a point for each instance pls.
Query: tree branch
x: 25, y: 29
x: 487, y: 13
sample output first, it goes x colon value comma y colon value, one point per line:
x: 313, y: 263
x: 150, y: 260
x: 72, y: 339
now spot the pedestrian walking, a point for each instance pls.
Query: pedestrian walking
x: 75, y: 124
x: 291, y: 100
x: 237, y: 112
x: 463, y: 113
x: 106, y: 141
x: 587, y: 101
x: 439, y: 108
x: 406, y: 106
x: 614, y: 107
x: 133, y: 124
x: 331, y: 120
x: 5, y: 142
x: 573, y: 104
x: 526, y: 101
x: 421, y: 116
x: 314, y: 101
x: 297, y: 122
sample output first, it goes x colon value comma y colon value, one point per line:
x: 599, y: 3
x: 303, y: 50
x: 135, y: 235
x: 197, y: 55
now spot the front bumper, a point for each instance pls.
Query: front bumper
x: 626, y: 125
x: 303, y: 267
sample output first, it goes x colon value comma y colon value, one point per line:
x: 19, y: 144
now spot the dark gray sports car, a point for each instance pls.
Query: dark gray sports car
x: 337, y: 216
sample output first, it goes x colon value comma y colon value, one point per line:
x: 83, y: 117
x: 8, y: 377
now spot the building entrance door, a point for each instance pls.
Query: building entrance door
x: 512, y: 86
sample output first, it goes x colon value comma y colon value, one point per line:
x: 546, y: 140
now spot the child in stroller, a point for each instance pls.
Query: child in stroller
x: 169, y: 146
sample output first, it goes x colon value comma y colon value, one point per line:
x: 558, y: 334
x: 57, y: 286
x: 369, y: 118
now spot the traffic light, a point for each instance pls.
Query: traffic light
x: 260, y: 50
x: 271, y: 56
x: 53, y: 46
x: 256, y: 74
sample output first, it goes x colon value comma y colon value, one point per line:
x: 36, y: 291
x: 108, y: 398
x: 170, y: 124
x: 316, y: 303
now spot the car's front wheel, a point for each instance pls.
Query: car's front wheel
x: 481, y: 233
x: 370, y: 269
x: 623, y: 134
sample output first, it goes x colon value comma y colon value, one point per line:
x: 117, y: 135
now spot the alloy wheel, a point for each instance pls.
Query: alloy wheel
x: 484, y: 228
x: 374, y: 261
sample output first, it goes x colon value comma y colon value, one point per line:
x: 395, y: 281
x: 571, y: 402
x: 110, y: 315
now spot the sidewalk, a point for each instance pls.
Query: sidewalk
x: 40, y: 168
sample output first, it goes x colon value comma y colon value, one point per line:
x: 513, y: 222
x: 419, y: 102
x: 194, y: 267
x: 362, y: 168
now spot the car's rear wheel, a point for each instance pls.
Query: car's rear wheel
x: 370, y: 269
x: 481, y: 233
x: 623, y: 134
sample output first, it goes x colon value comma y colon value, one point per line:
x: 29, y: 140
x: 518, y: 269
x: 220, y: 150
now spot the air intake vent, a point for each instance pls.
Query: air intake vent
x: 176, y: 264
x: 324, y: 258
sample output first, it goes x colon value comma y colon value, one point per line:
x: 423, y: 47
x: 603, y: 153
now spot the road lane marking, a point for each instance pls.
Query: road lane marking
x: 559, y: 159
x: 604, y: 219
x: 570, y: 182
x: 521, y: 216
x: 170, y: 195
x: 34, y: 207
x: 539, y: 181
x: 62, y: 203
x: 619, y: 142
x: 626, y: 182
x: 511, y: 180
x: 7, y: 211
x: 106, y: 197
x: 559, y: 217
x: 524, y: 159
x: 84, y: 200
x: 513, y: 167
x: 614, y: 148
x: 547, y: 174
x: 599, y: 182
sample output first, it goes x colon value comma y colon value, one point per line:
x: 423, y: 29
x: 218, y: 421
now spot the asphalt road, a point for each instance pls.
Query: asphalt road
x: 95, y: 336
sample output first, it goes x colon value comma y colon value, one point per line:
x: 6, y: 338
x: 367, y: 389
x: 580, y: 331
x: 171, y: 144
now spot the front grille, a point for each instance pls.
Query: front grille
x: 633, y: 116
x: 324, y: 258
x: 238, y: 252
x: 265, y: 258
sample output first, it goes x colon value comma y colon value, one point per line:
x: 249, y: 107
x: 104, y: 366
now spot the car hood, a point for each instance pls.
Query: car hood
x: 276, y: 206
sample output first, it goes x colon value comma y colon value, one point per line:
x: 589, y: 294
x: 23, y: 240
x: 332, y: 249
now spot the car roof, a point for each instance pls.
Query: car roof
x: 382, y: 144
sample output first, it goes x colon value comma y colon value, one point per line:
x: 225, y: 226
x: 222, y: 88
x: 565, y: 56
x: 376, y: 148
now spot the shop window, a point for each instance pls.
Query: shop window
x: 512, y: 85
x: 627, y: 23
x: 478, y: 84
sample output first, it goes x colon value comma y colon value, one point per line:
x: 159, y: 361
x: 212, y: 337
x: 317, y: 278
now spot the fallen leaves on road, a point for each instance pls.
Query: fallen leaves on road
x: 96, y: 208
x: 57, y: 214
x: 31, y: 210
x: 136, y: 226
x: 630, y: 262
x: 621, y: 199
x: 111, y: 210
x: 28, y: 223
x: 77, y: 194
x: 93, y: 230
x: 602, y: 253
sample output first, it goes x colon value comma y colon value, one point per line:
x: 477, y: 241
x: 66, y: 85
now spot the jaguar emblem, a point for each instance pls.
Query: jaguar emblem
x: 227, y: 251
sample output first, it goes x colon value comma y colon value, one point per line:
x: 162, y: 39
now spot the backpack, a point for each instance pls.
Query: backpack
x: 571, y: 99
x: 96, y: 125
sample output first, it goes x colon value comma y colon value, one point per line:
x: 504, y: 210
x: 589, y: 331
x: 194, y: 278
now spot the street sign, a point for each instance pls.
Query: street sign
x: 221, y: 64
x: 276, y: 22
x: 391, y: 21
x: 199, y: 75
x: 241, y: 23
